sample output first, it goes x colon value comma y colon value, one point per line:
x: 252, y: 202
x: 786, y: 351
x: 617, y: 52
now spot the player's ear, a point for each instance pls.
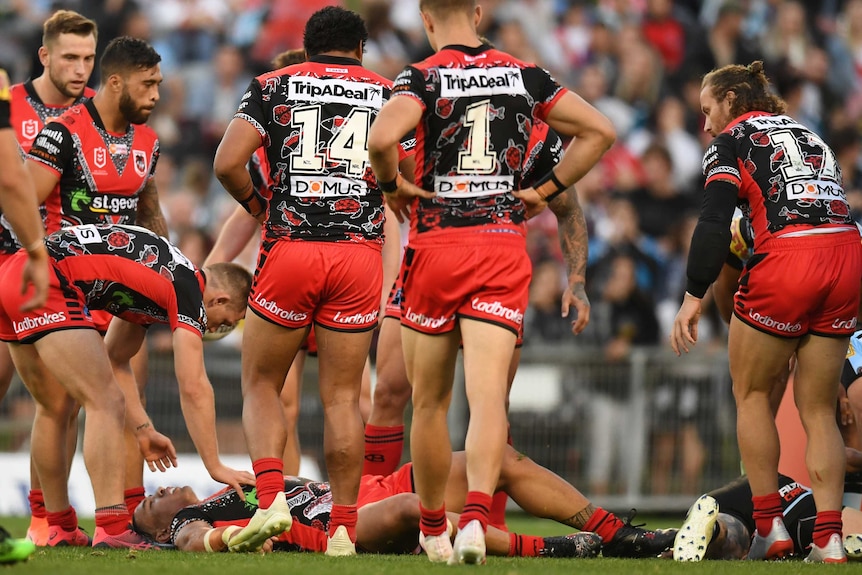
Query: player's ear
x: 163, y: 535
x: 730, y: 97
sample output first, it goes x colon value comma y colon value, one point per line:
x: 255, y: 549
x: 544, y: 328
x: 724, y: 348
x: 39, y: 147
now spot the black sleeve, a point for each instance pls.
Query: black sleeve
x: 711, y: 239
x: 5, y: 113
x: 5, y: 101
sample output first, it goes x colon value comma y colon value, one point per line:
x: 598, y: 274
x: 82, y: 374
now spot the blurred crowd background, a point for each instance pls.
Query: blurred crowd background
x: 638, y: 61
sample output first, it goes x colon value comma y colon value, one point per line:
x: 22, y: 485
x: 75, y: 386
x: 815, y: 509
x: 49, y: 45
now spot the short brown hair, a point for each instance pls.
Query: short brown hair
x: 288, y: 58
x: 444, y: 7
x: 749, y: 84
x: 67, y: 22
x: 234, y: 279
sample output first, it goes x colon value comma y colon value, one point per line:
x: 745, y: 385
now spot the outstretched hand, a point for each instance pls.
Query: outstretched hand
x: 232, y: 477
x: 157, y: 449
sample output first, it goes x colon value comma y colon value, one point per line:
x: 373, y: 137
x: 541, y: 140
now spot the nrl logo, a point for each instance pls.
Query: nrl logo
x: 100, y: 157
x: 29, y: 129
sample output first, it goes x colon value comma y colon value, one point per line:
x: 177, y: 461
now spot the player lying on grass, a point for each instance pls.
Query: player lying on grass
x: 720, y: 524
x: 389, y: 515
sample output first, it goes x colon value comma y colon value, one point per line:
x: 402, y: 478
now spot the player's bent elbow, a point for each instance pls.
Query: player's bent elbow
x: 606, y: 133
x: 225, y: 163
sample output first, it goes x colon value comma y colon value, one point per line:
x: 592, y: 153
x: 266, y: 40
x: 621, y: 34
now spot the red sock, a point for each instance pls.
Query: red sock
x: 476, y: 506
x: 67, y: 519
x: 343, y: 515
x: 525, y: 545
x: 766, y: 508
x: 383, y: 447
x: 604, y: 524
x: 37, y: 503
x: 269, y: 472
x: 432, y: 521
x: 827, y: 523
x: 114, y: 519
x: 133, y: 498
x: 497, y: 513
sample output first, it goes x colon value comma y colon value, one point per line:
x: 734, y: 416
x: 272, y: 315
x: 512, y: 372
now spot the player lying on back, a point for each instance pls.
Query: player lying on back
x: 389, y: 515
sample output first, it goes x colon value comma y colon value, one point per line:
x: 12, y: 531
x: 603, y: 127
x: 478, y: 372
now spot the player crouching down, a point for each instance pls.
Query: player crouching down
x: 62, y: 359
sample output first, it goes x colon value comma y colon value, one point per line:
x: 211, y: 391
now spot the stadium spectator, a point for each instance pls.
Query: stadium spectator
x: 660, y: 204
x: 624, y: 316
x: 766, y: 330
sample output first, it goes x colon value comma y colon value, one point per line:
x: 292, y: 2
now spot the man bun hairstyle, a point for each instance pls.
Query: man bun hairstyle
x: 334, y: 29
x: 125, y: 54
x: 288, y: 58
x: 749, y: 84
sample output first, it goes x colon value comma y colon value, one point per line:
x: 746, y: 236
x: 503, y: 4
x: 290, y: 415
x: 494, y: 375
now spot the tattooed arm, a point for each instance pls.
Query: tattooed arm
x: 150, y: 214
x: 572, y: 229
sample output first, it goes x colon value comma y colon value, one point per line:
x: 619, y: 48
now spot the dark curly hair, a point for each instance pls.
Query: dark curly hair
x: 334, y: 29
x: 749, y: 84
x: 126, y: 54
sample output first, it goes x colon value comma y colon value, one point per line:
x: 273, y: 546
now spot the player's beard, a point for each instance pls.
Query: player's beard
x: 63, y: 87
x: 131, y: 112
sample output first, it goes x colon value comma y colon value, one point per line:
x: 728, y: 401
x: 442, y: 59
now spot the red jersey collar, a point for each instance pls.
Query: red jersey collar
x: 745, y: 117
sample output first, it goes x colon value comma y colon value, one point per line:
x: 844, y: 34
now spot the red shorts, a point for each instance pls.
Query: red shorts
x: 5, y: 257
x: 809, y: 284
x: 101, y: 319
x: 374, y: 488
x: 65, y: 308
x: 336, y: 285
x: 481, y: 276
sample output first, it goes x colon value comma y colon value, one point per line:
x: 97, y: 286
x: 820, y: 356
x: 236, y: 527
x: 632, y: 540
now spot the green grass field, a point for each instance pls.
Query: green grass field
x: 97, y: 562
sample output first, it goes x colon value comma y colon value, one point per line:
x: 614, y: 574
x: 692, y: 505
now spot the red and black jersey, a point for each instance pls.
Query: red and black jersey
x: 8, y: 242
x: 101, y: 173
x: 544, y: 152
x: 313, y: 119
x: 479, y: 106
x: 258, y: 169
x: 310, y: 506
x: 787, y: 176
x: 30, y: 114
x: 131, y: 273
